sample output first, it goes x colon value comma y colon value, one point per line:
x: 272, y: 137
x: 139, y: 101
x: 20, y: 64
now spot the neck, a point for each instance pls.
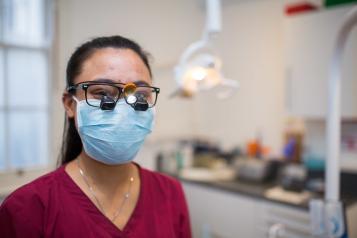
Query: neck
x: 106, y: 176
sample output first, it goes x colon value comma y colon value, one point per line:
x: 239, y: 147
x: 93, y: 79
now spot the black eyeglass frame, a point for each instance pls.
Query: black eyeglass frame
x: 85, y: 85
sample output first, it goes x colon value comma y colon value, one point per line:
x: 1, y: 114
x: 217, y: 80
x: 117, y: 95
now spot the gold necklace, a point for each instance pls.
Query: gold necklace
x: 126, y: 195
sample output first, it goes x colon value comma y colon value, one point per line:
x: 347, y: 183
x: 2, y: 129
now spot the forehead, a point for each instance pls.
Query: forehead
x: 117, y: 65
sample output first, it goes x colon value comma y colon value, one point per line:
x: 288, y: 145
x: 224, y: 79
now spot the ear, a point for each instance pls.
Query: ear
x: 69, y: 104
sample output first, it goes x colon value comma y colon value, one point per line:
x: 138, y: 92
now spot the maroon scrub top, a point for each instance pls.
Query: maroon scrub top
x: 54, y: 206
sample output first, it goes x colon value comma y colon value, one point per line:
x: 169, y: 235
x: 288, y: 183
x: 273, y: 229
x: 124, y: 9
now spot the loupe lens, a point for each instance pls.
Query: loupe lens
x: 107, y: 103
x: 140, y: 97
x: 131, y: 99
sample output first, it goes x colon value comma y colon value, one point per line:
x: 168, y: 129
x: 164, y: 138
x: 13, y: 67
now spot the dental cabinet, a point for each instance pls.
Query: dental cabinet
x: 229, y: 214
x: 309, y: 40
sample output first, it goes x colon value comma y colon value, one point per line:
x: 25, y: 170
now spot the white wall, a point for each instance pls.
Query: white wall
x: 250, y: 45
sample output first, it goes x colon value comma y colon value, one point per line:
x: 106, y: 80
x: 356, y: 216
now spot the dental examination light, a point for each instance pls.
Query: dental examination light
x: 199, y: 68
x: 327, y: 215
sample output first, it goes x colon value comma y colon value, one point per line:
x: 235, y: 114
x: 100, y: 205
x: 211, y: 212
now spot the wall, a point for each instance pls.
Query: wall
x: 251, y: 48
x: 250, y: 45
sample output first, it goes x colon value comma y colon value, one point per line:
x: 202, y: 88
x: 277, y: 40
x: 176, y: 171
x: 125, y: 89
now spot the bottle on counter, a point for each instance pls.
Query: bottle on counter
x: 293, y: 140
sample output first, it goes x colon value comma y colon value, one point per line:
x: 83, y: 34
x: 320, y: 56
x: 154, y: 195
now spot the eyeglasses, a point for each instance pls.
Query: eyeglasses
x: 105, y: 95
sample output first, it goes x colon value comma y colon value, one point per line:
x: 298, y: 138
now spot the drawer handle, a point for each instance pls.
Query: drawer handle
x: 277, y: 230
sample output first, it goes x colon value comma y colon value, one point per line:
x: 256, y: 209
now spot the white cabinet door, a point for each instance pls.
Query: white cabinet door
x: 293, y: 222
x: 216, y: 213
x: 309, y: 41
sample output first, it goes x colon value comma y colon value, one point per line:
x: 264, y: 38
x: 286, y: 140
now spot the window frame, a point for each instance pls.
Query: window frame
x: 12, y: 178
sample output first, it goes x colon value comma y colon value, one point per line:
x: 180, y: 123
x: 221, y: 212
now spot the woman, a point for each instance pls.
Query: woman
x: 98, y: 191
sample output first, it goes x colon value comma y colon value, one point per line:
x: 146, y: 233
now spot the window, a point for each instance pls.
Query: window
x: 25, y: 47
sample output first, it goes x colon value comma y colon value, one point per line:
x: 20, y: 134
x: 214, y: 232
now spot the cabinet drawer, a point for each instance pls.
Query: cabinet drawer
x: 296, y: 222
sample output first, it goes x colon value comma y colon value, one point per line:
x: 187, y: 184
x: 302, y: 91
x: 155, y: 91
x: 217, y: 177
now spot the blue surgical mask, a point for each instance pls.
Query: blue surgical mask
x: 113, y: 137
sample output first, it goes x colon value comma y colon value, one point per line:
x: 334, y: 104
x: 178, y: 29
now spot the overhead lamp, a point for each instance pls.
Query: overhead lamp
x: 200, y: 67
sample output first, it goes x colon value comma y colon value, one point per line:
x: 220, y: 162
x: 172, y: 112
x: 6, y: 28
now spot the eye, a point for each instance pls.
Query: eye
x: 100, y: 92
x: 143, y: 93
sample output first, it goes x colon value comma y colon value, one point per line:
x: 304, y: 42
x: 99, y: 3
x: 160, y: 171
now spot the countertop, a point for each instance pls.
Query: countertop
x: 258, y: 190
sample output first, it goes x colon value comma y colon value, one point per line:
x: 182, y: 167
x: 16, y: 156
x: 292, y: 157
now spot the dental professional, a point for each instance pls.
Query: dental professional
x: 98, y: 191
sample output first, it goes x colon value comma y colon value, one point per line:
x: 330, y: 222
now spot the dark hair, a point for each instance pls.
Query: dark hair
x: 71, y: 142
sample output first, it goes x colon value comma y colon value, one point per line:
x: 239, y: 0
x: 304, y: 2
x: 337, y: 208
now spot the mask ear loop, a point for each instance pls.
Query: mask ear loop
x: 75, y: 99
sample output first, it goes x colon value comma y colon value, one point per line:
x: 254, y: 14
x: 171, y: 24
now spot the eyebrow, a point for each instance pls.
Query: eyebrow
x: 104, y: 80
x: 141, y: 83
